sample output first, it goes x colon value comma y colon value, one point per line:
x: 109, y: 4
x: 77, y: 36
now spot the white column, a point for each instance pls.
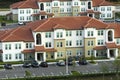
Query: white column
x: 45, y: 16
x: 94, y: 53
x: 116, y: 53
x: 44, y: 56
x: 108, y: 54
x: 23, y: 57
x: 55, y: 55
x: 36, y: 56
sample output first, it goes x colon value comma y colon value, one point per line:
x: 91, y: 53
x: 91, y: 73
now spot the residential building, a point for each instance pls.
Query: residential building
x: 54, y: 38
x: 31, y: 10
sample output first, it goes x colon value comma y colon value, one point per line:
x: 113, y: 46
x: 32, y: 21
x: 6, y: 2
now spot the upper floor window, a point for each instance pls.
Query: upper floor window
x: 61, y: 3
x: 78, y: 33
x: 38, y: 39
x: 76, y: 3
x: 108, y: 8
x: 83, y: 9
x: 69, y: 10
x: 90, y: 43
x: 102, y: 9
x: 69, y: 43
x: 48, y: 44
x: 68, y: 3
x: 59, y: 34
x: 118, y: 41
x: 55, y: 3
x: 48, y: 10
x: 47, y: 4
x: 100, y: 32
x: 90, y: 33
x: 100, y: 42
x: 48, y: 34
x: 82, y: 2
x: 79, y: 42
x: 95, y: 9
x: 89, y: 5
x: 28, y: 45
x: 21, y: 11
x: 59, y: 44
x: 7, y: 46
x: 28, y: 11
x: 68, y: 33
x: 90, y: 52
x: 17, y: 46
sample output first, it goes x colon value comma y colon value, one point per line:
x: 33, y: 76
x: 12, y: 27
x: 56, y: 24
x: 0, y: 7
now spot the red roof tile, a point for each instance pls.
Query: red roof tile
x: 26, y: 4
x: 111, y: 45
x: 39, y: 48
x: 99, y: 48
x: 101, y: 3
x: 28, y: 51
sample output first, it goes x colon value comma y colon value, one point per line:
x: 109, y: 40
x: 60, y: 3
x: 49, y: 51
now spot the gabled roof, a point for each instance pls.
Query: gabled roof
x: 26, y: 4
x: 24, y: 33
x: 17, y: 34
x: 101, y: 3
x: 71, y: 23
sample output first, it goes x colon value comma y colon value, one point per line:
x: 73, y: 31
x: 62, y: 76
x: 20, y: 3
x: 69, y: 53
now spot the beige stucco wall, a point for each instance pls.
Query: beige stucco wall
x: 86, y: 47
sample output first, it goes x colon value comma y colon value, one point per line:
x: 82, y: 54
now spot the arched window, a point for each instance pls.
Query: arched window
x: 38, y: 39
x: 110, y: 36
x: 41, y: 6
x: 89, y: 5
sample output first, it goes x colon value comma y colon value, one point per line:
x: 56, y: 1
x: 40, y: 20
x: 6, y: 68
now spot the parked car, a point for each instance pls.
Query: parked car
x: 61, y: 63
x: 26, y: 65
x: 8, y: 66
x: 44, y: 64
x: 83, y: 62
x: 34, y: 64
x: 21, y: 23
x: 117, y: 20
x: 70, y: 63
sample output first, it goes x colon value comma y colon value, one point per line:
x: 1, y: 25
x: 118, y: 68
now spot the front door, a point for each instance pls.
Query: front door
x: 112, y: 53
x: 40, y: 56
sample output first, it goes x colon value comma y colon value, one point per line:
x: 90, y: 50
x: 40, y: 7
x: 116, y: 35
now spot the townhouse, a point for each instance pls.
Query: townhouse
x: 31, y: 10
x: 56, y: 38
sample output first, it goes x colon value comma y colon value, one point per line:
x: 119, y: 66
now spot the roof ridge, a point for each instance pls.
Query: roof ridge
x: 42, y: 24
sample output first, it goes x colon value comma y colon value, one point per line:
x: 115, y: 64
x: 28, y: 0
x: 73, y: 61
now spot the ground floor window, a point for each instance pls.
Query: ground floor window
x: 8, y: 56
x: 60, y: 54
x: 18, y: 56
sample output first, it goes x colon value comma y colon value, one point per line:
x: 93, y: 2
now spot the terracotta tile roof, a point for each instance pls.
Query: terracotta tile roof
x: 43, y: 13
x: 17, y: 34
x: 90, y: 11
x: 39, y: 48
x: 28, y: 51
x: 99, y: 48
x: 42, y: 49
x: 111, y: 45
x: 26, y: 4
x: 50, y: 50
x: 16, y: 5
x: 117, y: 29
x: 51, y: 0
x: 101, y: 3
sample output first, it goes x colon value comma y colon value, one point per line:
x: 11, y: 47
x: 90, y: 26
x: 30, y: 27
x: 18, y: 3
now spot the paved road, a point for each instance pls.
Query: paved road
x: 54, y: 70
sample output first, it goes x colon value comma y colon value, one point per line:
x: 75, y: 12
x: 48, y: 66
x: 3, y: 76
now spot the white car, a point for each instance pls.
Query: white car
x: 61, y: 63
x: 21, y: 23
